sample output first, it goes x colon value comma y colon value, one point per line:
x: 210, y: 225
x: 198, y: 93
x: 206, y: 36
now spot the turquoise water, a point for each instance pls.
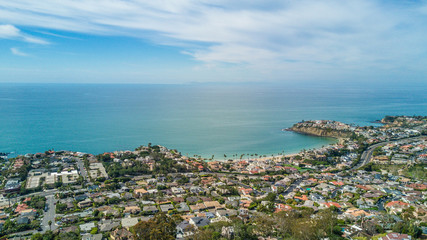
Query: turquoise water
x: 195, y: 119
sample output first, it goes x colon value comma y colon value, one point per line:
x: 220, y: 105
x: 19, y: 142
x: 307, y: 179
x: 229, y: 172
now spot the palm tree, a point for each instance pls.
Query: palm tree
x: 50, y: 225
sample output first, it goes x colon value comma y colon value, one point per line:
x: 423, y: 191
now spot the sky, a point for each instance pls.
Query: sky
x: 186, y: 41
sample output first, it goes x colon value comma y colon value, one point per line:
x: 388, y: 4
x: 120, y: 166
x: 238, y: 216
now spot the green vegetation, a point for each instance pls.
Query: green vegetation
x: 132, y: 167
x: 414, y: 171
x: 49, y: 235
x: 12, y: 227
x: 297, y: 225
x: 161, y: 227
x: 378, y: 151
x: 37, y: 202
x: 407, y: 228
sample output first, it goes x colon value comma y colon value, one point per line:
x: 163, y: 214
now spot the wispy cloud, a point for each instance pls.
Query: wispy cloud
x: 18, y: 52
x: 303, y: 34
x: 8, y: 31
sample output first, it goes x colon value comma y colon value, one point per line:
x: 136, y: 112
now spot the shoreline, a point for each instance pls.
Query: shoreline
x: 247, y: 157
x: 275, y: 157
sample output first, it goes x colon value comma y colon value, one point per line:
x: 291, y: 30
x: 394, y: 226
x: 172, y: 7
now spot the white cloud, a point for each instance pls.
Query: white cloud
x: 286, y: 35
x: 8, y: 31
x: 18, y: 52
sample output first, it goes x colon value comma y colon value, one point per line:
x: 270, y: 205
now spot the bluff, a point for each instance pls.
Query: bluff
x: 330, y: 129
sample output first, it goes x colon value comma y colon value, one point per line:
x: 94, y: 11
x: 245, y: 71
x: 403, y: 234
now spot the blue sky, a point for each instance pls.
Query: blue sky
x: 118, y: 41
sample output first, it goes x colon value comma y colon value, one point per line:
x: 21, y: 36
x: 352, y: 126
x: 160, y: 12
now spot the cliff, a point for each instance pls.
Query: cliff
x: 320, y: 132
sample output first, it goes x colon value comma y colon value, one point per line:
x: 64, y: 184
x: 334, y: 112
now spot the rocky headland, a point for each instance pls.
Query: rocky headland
x: 323, y: 128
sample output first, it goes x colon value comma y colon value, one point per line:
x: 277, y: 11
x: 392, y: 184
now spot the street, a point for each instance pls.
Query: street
x: 81, y: 167
x: 49, y: 215
x: 367, y: 154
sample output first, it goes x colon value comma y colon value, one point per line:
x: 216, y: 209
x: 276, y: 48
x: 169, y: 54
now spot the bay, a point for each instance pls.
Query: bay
x: 196, y: 119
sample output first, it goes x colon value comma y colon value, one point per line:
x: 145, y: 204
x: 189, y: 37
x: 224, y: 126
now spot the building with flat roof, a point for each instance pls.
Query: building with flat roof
x: 12, y: 185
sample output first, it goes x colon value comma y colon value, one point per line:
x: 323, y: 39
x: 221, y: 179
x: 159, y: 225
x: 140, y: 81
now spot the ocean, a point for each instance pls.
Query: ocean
x: 196, y: 119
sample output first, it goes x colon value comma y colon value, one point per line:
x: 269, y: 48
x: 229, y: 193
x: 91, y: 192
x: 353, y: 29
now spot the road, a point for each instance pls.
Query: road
x: 367, y: 154
x: 240, y: 183
x: 45, y: 193
x: 49, y: 215
x: 81, y: 167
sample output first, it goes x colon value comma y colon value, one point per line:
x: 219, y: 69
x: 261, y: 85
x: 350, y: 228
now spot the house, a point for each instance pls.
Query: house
x: 85, y: 203
x: 178, y: 199
x: 245, y: 203
x: 177, y: 190
x: 183, y: 207
x: 80, y: 197
x: 113, y: 195
x: 198, y: 207
x: 246, y: 191
x: 330, y: 204
x: 21, y: 207
x: 30, y: 213
x: 396, y: 206
x: 141, y: 192
x: 184, y: 230
x: 147, y: 202
x: 129, y: 222
x: 108, y: 225
x: 356, y: 213
x: 243, y: 211
x: 87, y: 227
x: 23, y: 220
x: 111, y: 212
x: 282, y: 207
x: 234, y: 203
x: 150, y: 209
x: 153, y: 191
x: 192, y: 199
x: 395, y: 236
x: 316, y: 197
x: 199, y: 221
x: 226, y: 213
x: 302, y: 198
x: 70, y: 219
x: 166, y: 207
x: 417, y: 186
x: 127, y: 195
x: 121, y: 234
x: 213, y: 205
x: 89, y: 236
x: 196, y: 189
x: 348, y: 188
x: 12, y: 185
x: 132, y: 209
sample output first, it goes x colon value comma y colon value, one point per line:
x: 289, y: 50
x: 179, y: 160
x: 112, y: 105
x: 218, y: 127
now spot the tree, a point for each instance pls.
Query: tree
x: 50, y: 224
x: 95, y: 212
x: 161, y: 227
x: 94, y: 230
x: 37, y: 236
x: 326, y: 220
x: 206, y: 234
x: 407, y: 228
x: 270, y: 197
x: 244, y: 232
x: 61, y: 207
x: 266, y: 224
